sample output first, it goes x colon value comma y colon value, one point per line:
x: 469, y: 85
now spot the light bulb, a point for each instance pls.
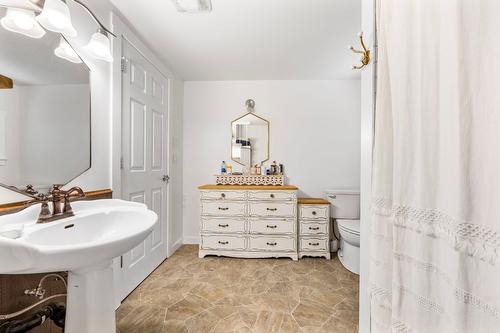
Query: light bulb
x: 56, y: 17
x: 22, y: 21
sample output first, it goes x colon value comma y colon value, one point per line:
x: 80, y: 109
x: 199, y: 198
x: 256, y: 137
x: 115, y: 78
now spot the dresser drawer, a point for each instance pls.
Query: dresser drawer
x: 269, y: 243
x: 272, y: 209
x: 223, y: 195
x: 216, y: 242
x: 313, y: 212
x: 278, y: 226
x: 313, y: 228
x: 222, y: 225
x: 313, y: 244
x: 271, y: 196
x: 223, y: 208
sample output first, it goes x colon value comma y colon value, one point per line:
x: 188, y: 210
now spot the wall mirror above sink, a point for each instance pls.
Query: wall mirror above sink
x: 44, y: 110
x: 250, y: 138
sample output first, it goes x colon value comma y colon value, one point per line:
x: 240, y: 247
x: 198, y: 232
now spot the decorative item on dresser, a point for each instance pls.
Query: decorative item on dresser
x: 314, y: 227
x: 275, y: 180
x: 248, y: 221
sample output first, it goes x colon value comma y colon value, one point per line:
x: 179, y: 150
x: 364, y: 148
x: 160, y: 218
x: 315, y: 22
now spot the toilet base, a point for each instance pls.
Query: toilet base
x: 348, y: 255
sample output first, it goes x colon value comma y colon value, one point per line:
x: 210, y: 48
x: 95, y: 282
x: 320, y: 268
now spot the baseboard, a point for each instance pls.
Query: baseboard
x: 191, y: 240
x: 177, y: 244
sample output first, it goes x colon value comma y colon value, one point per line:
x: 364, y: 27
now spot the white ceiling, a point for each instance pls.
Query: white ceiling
x: 252, y: 39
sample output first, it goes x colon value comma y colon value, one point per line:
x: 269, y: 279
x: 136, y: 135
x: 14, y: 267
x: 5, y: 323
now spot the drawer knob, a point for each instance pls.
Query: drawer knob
x: 314, y: 244
x: 223, y: 195
x: 223, y: 208
x: 223, y: 242
x: 271, y: 227
x: 272, y: 209
x: 313, y: 228
x: 314, y: 212
x: 272, y: 244
x: 223, y: 225
x: 272, y: 196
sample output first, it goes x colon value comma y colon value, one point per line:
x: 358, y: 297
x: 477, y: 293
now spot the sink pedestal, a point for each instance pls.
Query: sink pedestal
x: 90, y: 304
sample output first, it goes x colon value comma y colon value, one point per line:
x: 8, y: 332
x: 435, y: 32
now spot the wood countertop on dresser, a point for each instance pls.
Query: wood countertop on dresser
x: 249, y: 187
x: 312, y: 201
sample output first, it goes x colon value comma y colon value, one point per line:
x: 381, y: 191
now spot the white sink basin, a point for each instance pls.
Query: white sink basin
x: 84, y: 245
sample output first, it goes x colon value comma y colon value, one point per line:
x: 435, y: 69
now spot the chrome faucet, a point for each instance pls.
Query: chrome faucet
x: 56, y: 196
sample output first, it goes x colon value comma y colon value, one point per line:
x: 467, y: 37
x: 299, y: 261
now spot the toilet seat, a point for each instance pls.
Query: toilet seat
x: 350, y: 226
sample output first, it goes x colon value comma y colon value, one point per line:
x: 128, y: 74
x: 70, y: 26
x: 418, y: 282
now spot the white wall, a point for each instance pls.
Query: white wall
x: 315, y: 133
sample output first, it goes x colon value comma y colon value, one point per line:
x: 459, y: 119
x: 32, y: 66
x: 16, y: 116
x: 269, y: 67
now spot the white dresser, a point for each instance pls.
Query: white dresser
x: 314, y: 227
x: 249, y: 221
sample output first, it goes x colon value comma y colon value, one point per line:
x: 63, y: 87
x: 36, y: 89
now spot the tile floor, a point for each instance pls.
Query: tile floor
x: 211, y: 295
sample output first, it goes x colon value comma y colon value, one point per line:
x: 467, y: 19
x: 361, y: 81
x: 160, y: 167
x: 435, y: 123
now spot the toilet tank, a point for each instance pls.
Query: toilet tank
x: 345, y: 203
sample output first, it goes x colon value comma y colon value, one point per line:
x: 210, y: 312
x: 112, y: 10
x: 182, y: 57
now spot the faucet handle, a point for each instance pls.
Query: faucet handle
x: 45, y: 213
x: 67, y: 198
x: 30, y: 190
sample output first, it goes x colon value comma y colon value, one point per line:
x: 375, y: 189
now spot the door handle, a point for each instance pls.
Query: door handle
x: 165, y: 178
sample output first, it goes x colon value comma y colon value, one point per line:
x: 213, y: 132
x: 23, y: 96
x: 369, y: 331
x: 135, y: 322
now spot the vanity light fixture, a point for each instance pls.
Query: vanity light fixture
x: 66, y: 52
x: 55, y: 16
x: 193, y: 6
x: 22, y: 21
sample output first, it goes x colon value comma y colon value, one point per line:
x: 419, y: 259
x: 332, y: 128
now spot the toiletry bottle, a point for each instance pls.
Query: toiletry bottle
x: 274, y: 168
x: 253, y: 170
x: 282, y: 169
x: 230, y: 169
x: 259, y: 171
x: 223, y: 168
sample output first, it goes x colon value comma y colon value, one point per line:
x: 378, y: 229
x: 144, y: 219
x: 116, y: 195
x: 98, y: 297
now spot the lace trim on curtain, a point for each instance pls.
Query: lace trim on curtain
x: 472, y: 239
x: 400, y: 327
x: 465, y: 297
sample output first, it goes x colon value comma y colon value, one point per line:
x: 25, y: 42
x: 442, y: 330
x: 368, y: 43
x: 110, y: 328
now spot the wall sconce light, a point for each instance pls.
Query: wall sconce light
x: 365, y: 53
x: 55, y: 16
x: 66, y: 52
x: 99, y: 46
x: 22, y: 21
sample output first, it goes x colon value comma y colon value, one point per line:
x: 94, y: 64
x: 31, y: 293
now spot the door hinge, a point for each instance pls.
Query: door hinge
x: 124, y: 64
x: 121, y: 261
x: 121, y: 163
x: 165, y: 178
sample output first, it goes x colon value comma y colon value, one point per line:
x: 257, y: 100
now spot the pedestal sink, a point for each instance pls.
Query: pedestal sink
x: 84, y: 245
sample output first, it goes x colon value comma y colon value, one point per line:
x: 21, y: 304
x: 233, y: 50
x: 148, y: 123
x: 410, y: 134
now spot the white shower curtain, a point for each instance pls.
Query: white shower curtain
x: 435, y: 233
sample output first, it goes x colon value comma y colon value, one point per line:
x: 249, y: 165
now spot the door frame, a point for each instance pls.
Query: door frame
x: 368, y: 93
x: 121, y: 30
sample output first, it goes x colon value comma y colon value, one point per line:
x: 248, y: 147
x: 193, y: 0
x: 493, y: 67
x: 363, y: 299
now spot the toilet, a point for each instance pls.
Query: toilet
x: 345, y: 213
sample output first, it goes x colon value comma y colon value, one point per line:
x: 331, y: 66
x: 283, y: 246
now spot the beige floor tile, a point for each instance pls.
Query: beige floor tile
x: 186, y: 294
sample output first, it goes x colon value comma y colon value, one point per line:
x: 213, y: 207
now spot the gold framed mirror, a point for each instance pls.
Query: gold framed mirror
x: 250, y: 139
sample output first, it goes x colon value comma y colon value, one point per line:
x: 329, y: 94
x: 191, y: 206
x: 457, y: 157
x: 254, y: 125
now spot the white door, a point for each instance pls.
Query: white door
x: 144, y: 161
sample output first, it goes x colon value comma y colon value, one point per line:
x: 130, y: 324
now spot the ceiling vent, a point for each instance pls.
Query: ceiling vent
x: 193, y: 6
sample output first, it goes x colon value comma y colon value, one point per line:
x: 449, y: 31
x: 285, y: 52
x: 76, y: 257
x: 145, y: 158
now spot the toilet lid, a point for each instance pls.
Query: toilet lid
x: 351, y: 226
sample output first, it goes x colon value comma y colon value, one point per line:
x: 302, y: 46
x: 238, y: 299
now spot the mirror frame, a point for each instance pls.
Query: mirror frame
x: 268, y: 137
x: 24, y: 191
